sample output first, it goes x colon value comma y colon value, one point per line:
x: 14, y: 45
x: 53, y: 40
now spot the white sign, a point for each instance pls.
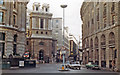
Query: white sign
x: 63, y: 52
x: 21, y: 63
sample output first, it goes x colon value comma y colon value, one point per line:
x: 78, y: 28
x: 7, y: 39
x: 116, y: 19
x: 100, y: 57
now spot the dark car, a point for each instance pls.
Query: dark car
x: 92, y: 66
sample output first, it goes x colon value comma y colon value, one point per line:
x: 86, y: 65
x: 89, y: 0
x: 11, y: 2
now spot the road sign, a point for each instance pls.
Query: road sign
x: 26, y: 54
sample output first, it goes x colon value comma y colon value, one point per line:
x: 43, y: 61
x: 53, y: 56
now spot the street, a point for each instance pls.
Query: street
x: 51, y: 68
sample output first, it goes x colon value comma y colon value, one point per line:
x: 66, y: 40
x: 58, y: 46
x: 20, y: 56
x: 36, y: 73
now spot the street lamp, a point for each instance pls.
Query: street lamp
x: 63, y: 51
x: 63, y: 6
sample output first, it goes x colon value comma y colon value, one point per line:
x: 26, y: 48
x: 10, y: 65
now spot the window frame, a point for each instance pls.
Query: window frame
x: 14, y: 19
x: 2, y: 16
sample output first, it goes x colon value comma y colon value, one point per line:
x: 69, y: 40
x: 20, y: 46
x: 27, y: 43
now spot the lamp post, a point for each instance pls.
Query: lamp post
x: 63, y: 52
x: 63, y: 6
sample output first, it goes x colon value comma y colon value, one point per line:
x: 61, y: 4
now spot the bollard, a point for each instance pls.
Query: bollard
x: 62, y: 67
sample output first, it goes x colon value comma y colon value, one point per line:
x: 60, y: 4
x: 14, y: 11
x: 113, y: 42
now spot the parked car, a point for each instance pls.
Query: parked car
x: 67, y: 65
x: 75, y: 65
x: 91, y: 65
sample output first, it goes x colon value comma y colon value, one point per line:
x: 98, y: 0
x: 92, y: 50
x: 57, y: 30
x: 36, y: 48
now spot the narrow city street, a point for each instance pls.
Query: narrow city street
x: 52, y: 68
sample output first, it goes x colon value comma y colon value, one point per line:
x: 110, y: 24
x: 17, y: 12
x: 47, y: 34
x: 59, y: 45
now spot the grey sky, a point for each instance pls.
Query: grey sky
x: 72, y: 13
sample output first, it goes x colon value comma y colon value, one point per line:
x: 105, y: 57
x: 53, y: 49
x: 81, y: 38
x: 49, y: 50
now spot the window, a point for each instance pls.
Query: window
x: 98, y: 25
x: 14, y: 49
x: 46, y: 32
x: 113, y: 20
x: 113, y: 7
x: 115, y: 54
x: 46, y: 10
x: 92, y: 21
x: 104, y: 12
x: 15, y: 38
x: 14, y: 4
x: 56, y: 31
x: 42, y: 22
x: 14, y: 19
x: 27, y: 42
x: 41, y: 43
x: 98, y: 14
x: 104, y: 23
x: 41, y: 32
x: 2, y: 48
x: 1, y: 2
x: 36, y: 8
x: 36, y: 32
x: 1, y: 17
x: 56, y: 21
x: 2, y: 36
x: 56, y: 26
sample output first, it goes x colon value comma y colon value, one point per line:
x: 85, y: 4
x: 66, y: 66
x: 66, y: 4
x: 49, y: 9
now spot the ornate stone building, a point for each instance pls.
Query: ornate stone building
x: 40, y: 42
x: 100, y: 33
x: 12, y: 28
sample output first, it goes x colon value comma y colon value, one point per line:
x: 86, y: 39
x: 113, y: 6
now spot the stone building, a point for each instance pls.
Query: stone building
x: 12, y: 28
x: 57, y: 33
x: 73, y: 48
x: 40, y: 42
x: 100, y: 33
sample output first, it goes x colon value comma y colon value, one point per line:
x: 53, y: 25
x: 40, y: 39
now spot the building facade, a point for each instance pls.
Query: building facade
x: 12, y: 28
x: 57, y: 33
x: 40, y: 42
x: 100, y: 33
x: 73, y: 48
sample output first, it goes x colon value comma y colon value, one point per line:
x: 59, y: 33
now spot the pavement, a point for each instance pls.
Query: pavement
x: 52, y: 68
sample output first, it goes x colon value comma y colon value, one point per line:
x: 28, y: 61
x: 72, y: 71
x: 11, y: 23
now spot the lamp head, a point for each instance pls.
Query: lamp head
x: 63, y: 6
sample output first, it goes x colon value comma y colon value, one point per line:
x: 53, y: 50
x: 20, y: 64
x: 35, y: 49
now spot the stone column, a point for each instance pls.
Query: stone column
x: 23, y: 16
x: 19, y: 15
x: 93, y: 50
x: 39, y: 23
x: 107, y: 51
x: 99, y: 50
x: 49, y: 24
x: 44, y: 23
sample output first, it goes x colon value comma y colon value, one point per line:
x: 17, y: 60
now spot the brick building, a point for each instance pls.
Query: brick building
x: 100, y: 33
x: 40, y: 42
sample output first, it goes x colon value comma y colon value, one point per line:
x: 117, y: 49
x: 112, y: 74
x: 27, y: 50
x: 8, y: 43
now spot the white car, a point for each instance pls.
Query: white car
x: 67, y: 65
x: 75, y: 65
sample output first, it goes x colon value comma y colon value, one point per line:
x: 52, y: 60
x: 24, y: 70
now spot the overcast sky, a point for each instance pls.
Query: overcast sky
x: 72, y: 13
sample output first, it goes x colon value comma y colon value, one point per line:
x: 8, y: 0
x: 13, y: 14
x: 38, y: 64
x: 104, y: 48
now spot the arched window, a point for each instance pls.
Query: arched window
x: 111, y: 38
x: 103, y: 40
x: 96, y: 42
x: 91, y: 43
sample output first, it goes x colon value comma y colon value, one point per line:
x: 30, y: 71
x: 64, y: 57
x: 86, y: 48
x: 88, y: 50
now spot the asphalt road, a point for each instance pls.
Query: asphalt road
x: 51, y: 68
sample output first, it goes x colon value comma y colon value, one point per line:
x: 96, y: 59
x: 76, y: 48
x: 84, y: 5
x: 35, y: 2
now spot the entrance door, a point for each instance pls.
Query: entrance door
x: 41, y: 55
